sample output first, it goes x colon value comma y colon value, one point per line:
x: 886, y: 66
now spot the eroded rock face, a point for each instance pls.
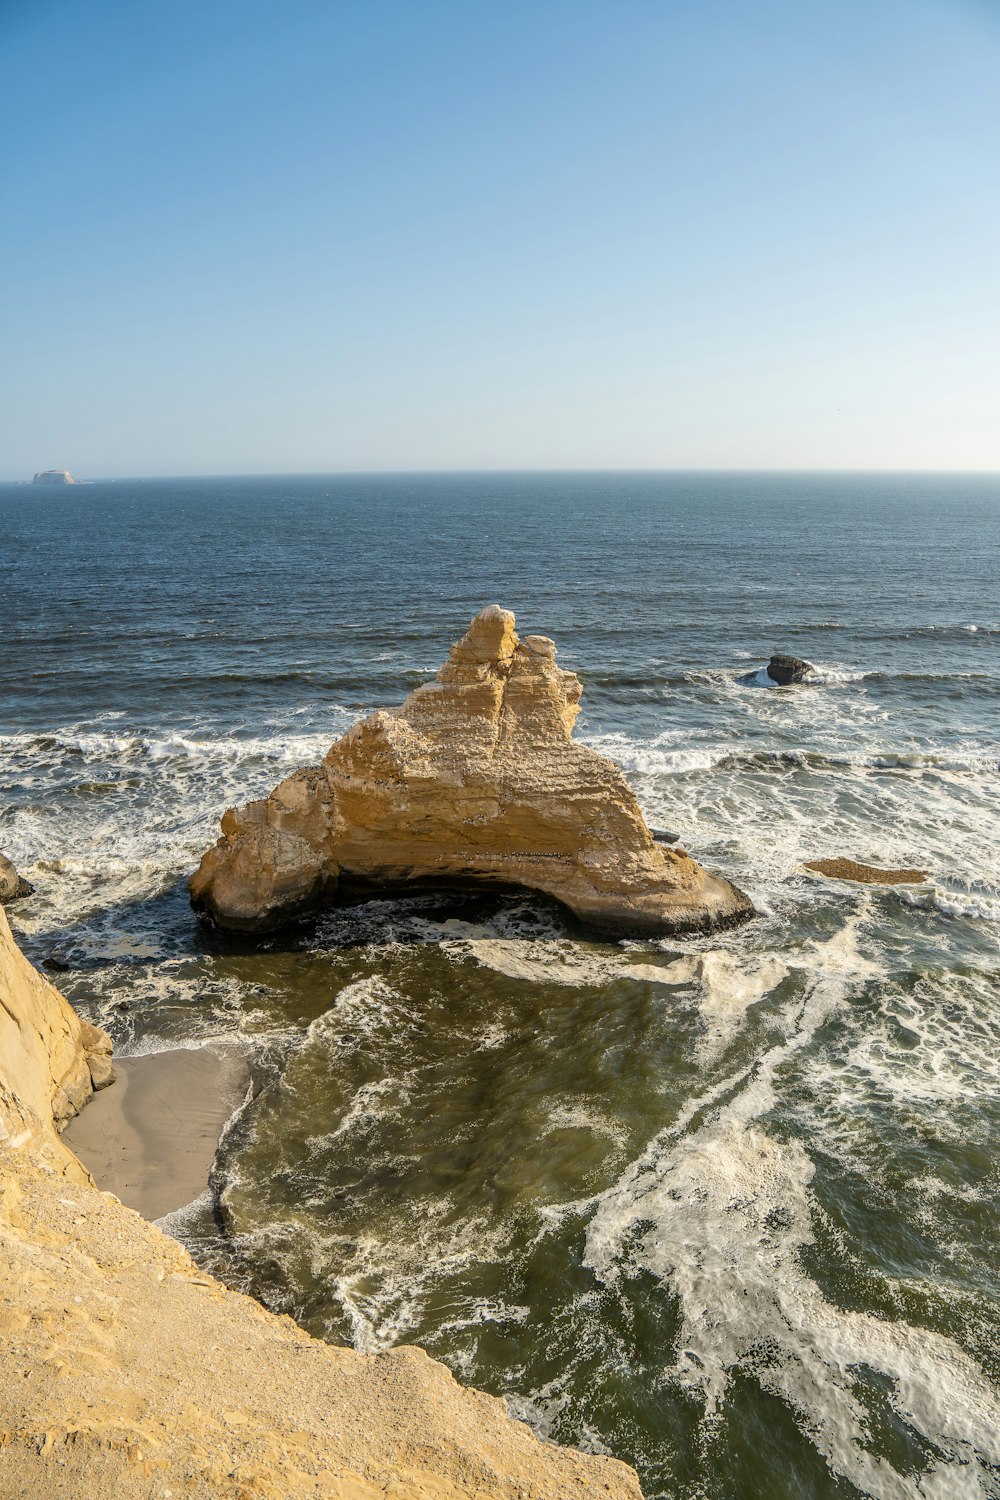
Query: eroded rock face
x: 474, y: 781
x: 51, y: 1059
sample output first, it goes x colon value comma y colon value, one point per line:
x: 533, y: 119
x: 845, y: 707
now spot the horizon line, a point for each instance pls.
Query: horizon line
x: 506, y: 470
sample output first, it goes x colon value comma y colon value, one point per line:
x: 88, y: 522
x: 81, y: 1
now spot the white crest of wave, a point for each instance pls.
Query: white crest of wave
x: 668, y: 753
x: 982, y: 905
x: 720, y: 1210
x: 727, y: 985
x: 822, y: 675
x: 368, y: 1005
x: 535, y: 960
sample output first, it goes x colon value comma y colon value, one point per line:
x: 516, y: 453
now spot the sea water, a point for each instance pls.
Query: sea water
x: 726, y: 1208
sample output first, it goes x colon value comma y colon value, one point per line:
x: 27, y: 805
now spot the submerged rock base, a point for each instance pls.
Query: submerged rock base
x: 474, y: 781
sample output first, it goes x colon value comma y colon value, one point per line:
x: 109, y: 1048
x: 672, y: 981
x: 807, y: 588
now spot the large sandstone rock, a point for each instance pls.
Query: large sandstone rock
x: 127, y: 1372
x: 474, y: 781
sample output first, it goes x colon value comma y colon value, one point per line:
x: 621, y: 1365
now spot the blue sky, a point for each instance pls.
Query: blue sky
x: 383, y: 234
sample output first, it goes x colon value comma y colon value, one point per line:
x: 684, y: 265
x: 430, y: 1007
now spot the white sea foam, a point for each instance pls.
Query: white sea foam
x: 383, y: 1285
x: 535, y: 961
x: 105, y: 819
x: 928, y: 1049
x: 367, y: 1005
x: 178, y: 1222
x: 721, y: 1212
x: 983, y: 906
x: 86, y: 745
x: 370, y: 1103
x: 727, y: 985
x: 668, y: 753
x: 584, y: 1116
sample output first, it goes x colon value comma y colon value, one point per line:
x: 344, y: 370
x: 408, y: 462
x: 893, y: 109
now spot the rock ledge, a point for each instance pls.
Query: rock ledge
x: 854, y: 869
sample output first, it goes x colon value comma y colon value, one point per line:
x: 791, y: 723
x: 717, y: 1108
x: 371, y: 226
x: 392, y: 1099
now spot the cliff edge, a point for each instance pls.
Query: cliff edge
x: 128, y: 1372
x: 475, y: 780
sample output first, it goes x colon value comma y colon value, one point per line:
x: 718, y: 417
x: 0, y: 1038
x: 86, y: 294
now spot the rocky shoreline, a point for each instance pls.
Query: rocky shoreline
x: 130, y: 1372
x: 139, y: 1374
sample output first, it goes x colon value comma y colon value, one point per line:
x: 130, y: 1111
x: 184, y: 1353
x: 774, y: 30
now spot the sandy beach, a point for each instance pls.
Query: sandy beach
x: 150, y: 1137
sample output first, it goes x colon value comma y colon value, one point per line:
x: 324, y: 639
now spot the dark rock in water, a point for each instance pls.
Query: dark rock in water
x: 786, y: 670
x: 12, y: 887
x: 663, y: 836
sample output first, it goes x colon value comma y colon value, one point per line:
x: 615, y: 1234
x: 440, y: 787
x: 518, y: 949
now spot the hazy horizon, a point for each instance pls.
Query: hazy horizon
x: 514, y: 469
x: 375, y: 238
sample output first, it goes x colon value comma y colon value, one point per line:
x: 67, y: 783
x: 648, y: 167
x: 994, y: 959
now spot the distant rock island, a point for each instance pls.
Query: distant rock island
x: 54, y: 476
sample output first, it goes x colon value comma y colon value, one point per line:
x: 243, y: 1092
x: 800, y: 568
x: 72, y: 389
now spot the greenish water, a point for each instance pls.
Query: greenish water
x: 726, y: 1208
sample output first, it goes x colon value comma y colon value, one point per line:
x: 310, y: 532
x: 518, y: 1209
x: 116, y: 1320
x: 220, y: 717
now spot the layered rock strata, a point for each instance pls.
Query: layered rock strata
x: 127, y: 1372
x: 55, y: 1057
x: 474, y: 781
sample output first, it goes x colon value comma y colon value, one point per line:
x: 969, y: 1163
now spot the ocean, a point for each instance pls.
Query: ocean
x: 726, y: 1207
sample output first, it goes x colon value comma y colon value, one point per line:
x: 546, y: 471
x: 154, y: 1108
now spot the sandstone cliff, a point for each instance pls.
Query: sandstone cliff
x: 127, y: 1372
x: 475, y: 780
x: 50, y: 1059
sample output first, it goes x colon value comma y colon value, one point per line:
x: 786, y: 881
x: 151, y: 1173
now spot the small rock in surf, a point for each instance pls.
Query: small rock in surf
x: 786, y: 670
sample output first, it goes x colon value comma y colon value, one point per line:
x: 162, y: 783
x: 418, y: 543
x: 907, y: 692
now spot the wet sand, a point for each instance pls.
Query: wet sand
x: 150, y: 1137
